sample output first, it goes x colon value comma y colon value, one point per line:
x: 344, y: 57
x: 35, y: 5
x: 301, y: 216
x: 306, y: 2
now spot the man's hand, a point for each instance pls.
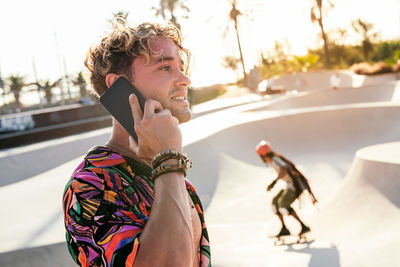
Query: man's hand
x: 157, y: 129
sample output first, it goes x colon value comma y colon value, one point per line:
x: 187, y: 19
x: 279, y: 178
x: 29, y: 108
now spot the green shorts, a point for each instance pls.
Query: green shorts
x: 282, y: 201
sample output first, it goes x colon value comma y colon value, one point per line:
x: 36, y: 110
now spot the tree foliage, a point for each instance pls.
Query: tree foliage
x: 16, y: 84
x: 231, y: 62
x: 167, y: 9
x: 47, y: 87
x: 387, y: 50
x: 365, y: 29
x: 384, y: 55
x: 81, y: 83
x: 118, y: 18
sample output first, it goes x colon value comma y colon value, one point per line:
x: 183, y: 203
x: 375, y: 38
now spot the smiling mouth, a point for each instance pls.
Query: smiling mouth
x: 179, y: 98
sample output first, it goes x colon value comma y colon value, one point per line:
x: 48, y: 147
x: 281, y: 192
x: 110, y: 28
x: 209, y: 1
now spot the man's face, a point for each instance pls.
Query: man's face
x: 163, y: 78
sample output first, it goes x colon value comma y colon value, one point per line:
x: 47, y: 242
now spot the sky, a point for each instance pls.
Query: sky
x: 54, y: 36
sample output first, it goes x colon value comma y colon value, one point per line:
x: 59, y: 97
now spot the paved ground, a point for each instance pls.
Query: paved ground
x: 355, y: 223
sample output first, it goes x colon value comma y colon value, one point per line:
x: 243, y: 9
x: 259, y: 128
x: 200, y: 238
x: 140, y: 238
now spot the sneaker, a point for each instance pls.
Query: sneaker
x: 304, y: 229
x: 284, y: 231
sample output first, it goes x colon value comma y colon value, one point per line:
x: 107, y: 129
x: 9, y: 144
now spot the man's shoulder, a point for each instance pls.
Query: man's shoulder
x: 101, y: 163
x: 103, y: 170
x: 101, y: 156
x: 98, y: 163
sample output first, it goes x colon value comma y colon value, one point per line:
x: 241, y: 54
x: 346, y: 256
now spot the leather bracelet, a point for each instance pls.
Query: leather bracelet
x: 169, y: 154
x: 168, y: 168
x: 159, y: 168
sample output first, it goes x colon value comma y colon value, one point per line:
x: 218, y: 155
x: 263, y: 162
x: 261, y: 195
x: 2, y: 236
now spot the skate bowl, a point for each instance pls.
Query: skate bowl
x: 230, y: 178
x: 365, y: 94
x: 323, y: 143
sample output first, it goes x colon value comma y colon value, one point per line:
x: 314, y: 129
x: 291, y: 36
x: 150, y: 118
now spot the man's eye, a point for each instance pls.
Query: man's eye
x: 165, y: 68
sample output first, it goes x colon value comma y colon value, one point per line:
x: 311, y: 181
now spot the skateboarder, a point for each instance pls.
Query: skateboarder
x: 296, y: 183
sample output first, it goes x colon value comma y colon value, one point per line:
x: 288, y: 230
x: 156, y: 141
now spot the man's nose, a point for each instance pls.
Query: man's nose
x: 183, y: 79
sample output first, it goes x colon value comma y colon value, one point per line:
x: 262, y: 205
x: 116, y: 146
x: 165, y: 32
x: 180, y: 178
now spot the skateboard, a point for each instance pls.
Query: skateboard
x: 291, y: 239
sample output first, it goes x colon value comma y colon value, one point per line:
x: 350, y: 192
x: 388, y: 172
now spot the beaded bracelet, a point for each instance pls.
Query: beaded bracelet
x: 159, y: 169
x: 168, y: 168
x: 166, y: 155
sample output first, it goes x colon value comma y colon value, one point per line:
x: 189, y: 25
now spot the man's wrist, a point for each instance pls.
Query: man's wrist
x: 169, y: 154
x: 169, y: 161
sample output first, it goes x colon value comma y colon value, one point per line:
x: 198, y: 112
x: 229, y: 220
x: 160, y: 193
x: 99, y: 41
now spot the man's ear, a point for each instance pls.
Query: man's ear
x: 111, y: 78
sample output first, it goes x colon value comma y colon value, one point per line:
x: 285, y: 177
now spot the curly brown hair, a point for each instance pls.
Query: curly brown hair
x: 116, y: 51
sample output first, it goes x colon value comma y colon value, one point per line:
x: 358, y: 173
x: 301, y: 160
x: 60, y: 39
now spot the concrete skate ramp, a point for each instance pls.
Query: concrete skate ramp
x: 365, y: 94
x: 322, y: 143
x: 32, y: 228
x: 363, y: 216
x: 55, y: 153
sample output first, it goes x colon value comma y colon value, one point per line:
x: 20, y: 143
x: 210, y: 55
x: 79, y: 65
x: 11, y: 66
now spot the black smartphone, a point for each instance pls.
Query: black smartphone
x: 116, y: 101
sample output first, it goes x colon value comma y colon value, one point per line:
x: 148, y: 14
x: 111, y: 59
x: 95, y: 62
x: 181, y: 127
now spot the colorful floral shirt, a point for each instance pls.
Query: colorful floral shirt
x: 107, y: 203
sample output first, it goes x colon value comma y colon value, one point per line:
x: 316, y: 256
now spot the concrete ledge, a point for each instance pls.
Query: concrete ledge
x: 53, y: 131
x: 61, y: 114
x: 56, y: 122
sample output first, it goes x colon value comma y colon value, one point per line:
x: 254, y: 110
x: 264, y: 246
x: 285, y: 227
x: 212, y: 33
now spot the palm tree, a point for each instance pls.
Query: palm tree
x: 119, y: 18
x: 318, y: 18
x: 47, y: 87
x: 17, y: 83
x: 364, y: 28
x: 171, y: 6
x: 81, y: 83
x: 3, y: 89
x: 233, y: 15
x: 231, y: 62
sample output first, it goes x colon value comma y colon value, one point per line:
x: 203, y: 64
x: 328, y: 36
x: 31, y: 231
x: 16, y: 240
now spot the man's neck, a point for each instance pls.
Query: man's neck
x: 119, y: 142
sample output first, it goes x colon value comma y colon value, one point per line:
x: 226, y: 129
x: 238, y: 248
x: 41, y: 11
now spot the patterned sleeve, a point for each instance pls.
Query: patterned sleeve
x: 103, y: 217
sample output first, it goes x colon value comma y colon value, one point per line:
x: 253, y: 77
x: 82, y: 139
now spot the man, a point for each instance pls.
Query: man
x: 296, y: 183
x: 128, y: 203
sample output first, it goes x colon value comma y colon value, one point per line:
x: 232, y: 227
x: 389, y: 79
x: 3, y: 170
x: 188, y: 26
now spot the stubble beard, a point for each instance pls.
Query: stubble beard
x: 182, y: 115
